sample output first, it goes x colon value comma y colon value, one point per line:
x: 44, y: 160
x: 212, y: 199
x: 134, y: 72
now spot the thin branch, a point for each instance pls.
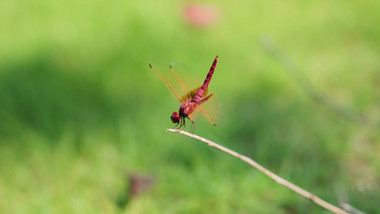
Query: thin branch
x: 270, y: 174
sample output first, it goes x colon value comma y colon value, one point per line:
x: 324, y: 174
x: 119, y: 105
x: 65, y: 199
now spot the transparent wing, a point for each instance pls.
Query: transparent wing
x: 175, y: 84
x: 212, y: 110
x: 170, y: 84
x: 185, y: 82
x: 179, y: 81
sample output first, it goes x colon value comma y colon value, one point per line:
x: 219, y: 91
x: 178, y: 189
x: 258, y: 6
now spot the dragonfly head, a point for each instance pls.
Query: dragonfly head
x: 175, y: 117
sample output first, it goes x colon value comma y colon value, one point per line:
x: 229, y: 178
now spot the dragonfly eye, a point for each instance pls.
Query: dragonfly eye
x: 175, y: 117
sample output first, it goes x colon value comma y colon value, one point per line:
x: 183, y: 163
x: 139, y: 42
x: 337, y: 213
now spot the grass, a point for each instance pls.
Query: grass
x: 80, y: 109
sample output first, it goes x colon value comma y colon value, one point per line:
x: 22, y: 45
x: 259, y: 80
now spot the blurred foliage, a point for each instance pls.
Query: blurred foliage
x: 81, y: 111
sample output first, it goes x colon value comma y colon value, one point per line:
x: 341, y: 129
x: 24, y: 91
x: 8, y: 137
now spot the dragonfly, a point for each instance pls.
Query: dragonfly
x: 193, y: 101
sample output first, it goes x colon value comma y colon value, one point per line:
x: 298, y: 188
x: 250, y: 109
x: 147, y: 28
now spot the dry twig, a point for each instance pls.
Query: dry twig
x: 270, y: 174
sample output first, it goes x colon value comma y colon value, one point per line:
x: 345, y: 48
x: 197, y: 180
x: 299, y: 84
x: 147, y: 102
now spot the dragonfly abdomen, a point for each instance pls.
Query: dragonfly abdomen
x: 203, y: 88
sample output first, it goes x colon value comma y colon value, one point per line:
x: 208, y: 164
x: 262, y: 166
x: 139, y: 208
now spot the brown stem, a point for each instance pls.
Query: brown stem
x: 270, y: 174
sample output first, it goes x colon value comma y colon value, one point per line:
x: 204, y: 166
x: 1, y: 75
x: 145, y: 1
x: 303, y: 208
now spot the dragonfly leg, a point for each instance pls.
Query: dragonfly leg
x: 192, y: 125
x: 180, y: 124
x: 176, y: 125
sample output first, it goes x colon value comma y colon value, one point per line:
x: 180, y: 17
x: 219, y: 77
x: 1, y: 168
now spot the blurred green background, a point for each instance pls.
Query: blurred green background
x: 81, y: 111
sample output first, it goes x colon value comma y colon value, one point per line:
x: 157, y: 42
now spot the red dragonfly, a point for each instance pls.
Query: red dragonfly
x: 193, y: 100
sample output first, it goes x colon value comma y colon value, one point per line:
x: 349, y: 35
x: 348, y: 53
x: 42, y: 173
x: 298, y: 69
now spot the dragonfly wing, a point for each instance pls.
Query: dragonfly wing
x: 188, y: 94
x: 195, y: 116
x: 180, y: 82
x: 168, y: 83
x: 212, y: 110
